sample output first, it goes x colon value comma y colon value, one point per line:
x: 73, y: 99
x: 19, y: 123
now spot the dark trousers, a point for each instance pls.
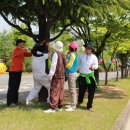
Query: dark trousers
x: 57, y: 93
x: 13, y: 87
x: 43, y: 94
x: 83, y: 86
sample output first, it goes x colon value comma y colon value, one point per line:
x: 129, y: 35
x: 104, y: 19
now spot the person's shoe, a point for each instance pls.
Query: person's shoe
x: 68, y: 106
x: 12, y: 105
x: 90, y: 109
x: 28, y: 102
x: 59, y: 109
x: 70, y: 109
x: 50, y: 111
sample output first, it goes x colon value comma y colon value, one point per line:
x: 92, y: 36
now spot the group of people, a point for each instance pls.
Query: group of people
x: 63, y: 68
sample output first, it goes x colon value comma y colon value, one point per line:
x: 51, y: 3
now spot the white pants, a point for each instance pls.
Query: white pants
x: 40, y: 78
x: 38, y: 83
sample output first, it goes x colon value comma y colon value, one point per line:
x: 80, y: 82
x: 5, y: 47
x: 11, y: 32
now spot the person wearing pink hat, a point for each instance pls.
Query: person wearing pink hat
x: 71, y: 73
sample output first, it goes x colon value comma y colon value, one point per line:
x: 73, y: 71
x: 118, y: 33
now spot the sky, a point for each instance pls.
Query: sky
x: 3, y: 25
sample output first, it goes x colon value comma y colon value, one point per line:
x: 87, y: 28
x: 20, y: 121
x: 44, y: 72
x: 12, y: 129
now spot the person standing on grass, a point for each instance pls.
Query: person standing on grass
x: 39, y: 68
x: 88, y: 62
x: 15, y: 72
x: 71, y: 73
x: 57, y: 79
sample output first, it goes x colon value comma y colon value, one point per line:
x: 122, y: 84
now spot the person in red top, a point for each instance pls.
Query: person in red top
x: 15, y: 72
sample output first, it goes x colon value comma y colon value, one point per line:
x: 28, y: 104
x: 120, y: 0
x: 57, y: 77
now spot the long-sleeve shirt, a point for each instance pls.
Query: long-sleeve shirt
x: 85, y: 63
x: 18, y: 59
x: 72, y: 59
x: 53, y: 64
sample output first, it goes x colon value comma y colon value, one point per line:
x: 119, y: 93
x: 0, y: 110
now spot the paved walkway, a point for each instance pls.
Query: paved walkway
x: 128, y: 124
x: 27, y: 84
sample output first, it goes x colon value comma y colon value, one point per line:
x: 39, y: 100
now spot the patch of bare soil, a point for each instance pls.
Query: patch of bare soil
x: 110, y: 92
x: 106, y: 92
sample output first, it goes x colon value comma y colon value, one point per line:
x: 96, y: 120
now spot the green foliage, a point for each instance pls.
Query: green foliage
x: 124, y: 46
x: 7, y: 44
x: 46, y: 15
x: 28, y: 65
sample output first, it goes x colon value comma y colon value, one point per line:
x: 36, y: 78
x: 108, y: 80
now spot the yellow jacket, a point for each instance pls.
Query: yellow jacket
x: 3, y: 68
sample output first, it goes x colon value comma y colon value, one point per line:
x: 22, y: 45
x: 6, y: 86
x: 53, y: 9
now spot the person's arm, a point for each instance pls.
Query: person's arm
x: 79, y: 63
x: 95, y: 65
x: 71, y: 62
x: 19, y: 52
x: 53, y: 64
x: 27, y: 54
x: 49, y: 51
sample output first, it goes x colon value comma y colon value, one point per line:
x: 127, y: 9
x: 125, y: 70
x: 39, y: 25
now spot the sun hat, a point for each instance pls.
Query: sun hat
x: 58, y: 46
x: 88, y: 45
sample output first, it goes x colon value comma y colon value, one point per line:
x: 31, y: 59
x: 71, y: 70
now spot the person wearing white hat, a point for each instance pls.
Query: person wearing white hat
x: 57, y: 79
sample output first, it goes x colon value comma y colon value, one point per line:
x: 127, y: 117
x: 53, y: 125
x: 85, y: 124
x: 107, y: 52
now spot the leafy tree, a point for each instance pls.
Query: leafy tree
x: 6, y: 45
x: 46, y: 15
x: 98, y: 21
x: 107, y: 64
x: 123, y: 54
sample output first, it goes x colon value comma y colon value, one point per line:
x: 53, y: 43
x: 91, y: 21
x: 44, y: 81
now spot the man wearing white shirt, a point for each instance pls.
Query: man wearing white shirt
x: 88, y: 62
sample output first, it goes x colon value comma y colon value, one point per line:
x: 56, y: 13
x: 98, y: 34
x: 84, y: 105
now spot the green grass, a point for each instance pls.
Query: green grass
x: 108, y: 105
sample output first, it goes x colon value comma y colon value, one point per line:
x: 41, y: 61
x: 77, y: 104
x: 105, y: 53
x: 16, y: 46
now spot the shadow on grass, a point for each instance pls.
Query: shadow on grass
x: 104, y: 92
x: 22, y: 106
x: 108, y: 92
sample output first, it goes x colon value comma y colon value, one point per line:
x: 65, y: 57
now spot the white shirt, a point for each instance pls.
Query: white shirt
x: 86, y: 61
x: 53, y: 64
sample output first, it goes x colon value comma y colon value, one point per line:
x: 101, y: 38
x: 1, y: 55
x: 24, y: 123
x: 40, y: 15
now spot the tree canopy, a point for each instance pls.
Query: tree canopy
x: 45, y: 14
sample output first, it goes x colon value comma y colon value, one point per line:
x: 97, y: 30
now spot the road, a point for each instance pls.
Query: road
x: 27, y: 84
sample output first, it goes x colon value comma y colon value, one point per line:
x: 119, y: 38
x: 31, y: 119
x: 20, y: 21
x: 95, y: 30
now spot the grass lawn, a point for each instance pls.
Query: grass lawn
x: 108, y: 105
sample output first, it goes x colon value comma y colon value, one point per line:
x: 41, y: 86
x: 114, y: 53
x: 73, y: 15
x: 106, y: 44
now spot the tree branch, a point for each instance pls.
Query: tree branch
x: 77, y: 32
x: 106, y: 36
x: 64, y: 28
x: 23, y: 31
x: 83, y: 31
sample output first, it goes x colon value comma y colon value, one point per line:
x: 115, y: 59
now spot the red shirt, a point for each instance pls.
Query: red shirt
x: 18, y: 59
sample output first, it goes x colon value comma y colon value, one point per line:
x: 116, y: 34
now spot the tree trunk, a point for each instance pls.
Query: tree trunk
x: 44, y: 31
x: 122, y: 72
x: 126, y: 72
x: 106, y: 77
x: 117, y: 74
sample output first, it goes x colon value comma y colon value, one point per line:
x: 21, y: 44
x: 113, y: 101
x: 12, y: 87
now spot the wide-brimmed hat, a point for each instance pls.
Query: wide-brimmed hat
x: 88, y: 45
x: 58, y: 46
